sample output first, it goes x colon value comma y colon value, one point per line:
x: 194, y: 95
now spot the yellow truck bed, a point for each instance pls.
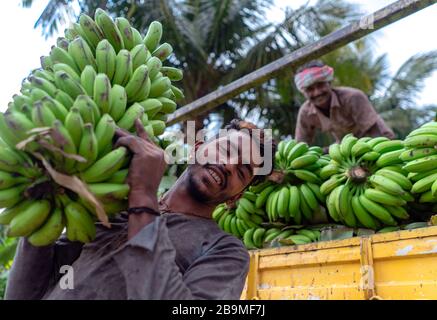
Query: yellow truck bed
x: 396, y: 265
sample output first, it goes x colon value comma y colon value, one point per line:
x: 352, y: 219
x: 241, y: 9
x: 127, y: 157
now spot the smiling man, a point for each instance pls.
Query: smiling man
x: 338, y: 111
x: 168, y: 249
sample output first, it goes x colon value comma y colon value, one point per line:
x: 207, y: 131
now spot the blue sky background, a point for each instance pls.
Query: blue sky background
x: 23, y: 45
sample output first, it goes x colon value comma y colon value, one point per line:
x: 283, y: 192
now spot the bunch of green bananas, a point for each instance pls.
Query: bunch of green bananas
x: 228, y: 220
x: 421, y: 162
x: 299, y: 196
x: 365, y: 183
x: 101, y: 76
x: 257, y: 238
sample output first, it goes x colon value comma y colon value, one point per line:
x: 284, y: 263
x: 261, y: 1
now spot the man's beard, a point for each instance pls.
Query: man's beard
x: 195, y: 190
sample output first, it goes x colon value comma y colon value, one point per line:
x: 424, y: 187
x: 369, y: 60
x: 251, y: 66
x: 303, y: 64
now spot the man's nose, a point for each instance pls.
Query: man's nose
x: 317, y: 92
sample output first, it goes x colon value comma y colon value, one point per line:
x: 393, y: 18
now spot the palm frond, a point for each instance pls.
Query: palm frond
x: 409, y: 81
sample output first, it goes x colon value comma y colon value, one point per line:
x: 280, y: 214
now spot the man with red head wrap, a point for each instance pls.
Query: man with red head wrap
x: 339, y: 110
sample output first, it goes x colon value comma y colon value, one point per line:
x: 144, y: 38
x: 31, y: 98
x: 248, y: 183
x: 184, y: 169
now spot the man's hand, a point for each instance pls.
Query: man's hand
x: 146, y: 169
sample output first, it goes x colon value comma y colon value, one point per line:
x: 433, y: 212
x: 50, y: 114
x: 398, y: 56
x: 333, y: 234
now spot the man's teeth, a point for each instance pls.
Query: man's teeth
x: 215, y: 176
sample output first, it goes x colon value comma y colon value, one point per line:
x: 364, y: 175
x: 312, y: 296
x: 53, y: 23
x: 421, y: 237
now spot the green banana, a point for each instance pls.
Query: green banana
x: 398, y: 212
x: 44, y: 85
x: 389, y: 158
x: 398, y: 178
x: 79, y: 223
x: 163, y: 51
x: 389, y: 146
x: 346, y: 145
x: 134, y: 112
x: 309, y: 196
x: 422, y: 141
x: 88, y: 147
x: 42, y: 116
x: 74, y: 124
x: 138, y: 39
x: 328, y: 186
x: 305, y: 208
x: 362, y: 214
x: 109, y: 29
x: 102, y: 92
x: 307, y: 176
x: 70, y: 86
x: 106, y: 58
x: 65, y: 142
x: 384, y: 198
x: 82, y: 54
x: 50, y: 231
x: 58, y: 109
x: 126, y: 32
x: 153, y: 36
x: 140, y: 54
x: 262, y: 197
x: 378, y: 211
x: 424, y: 184
x: 421, y: 165
x: 151, y: 107
x: 331, y: 204
x: 375, y: 141
x: 359, y: 149
x: 315, y: 188
x: 123, y: 68
x: 387, y: 185
x: 174, y: 74
x: 91, y: 30
x: 30, y: 219
x: 105, y: 131
x: 218, y: 212
x: 109, y: 191
x: 303, y: 161
x: 136, y: 83
x: 66, y: 68
x: 283, y: 202
x: 258, y: 237
x: 119, y: 177
x: 297, y: 151
x: 105, y: 167
x: 168, y: 105
x: 7, y: 215
x: 59, y: 55
x: 63, y: 98
x: 415, y: 154
x: 294, y: 204
x: 118, y: 102
x: 247, y: 239
x: 299, y: 239
x: 87, y: 79
x: 370, y: 156
x: 309, y: 234
x: 159, y: 87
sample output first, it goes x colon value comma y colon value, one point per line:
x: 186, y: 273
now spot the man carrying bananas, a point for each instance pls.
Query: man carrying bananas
x: 168, y: 249
x: 339, y: 111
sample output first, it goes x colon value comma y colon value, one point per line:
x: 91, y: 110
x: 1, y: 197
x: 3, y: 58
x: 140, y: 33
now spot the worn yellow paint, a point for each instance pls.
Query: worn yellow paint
x: 397, y: 265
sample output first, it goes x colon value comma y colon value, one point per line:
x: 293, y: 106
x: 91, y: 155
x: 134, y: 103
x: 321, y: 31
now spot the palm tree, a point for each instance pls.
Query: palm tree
x: 216, y: 41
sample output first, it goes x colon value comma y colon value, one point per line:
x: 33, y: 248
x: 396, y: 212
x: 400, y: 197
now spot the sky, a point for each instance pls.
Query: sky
x: 23, y: 45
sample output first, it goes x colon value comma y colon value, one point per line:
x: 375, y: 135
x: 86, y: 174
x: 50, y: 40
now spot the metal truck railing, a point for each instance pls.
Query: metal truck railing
x: 367, y: 25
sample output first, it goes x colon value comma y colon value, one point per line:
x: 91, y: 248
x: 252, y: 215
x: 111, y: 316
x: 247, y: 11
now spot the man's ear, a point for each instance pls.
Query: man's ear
x: 231, y: 203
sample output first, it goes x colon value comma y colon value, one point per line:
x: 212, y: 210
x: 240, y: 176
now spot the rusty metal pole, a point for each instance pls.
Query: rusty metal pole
x: 367, y: 25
